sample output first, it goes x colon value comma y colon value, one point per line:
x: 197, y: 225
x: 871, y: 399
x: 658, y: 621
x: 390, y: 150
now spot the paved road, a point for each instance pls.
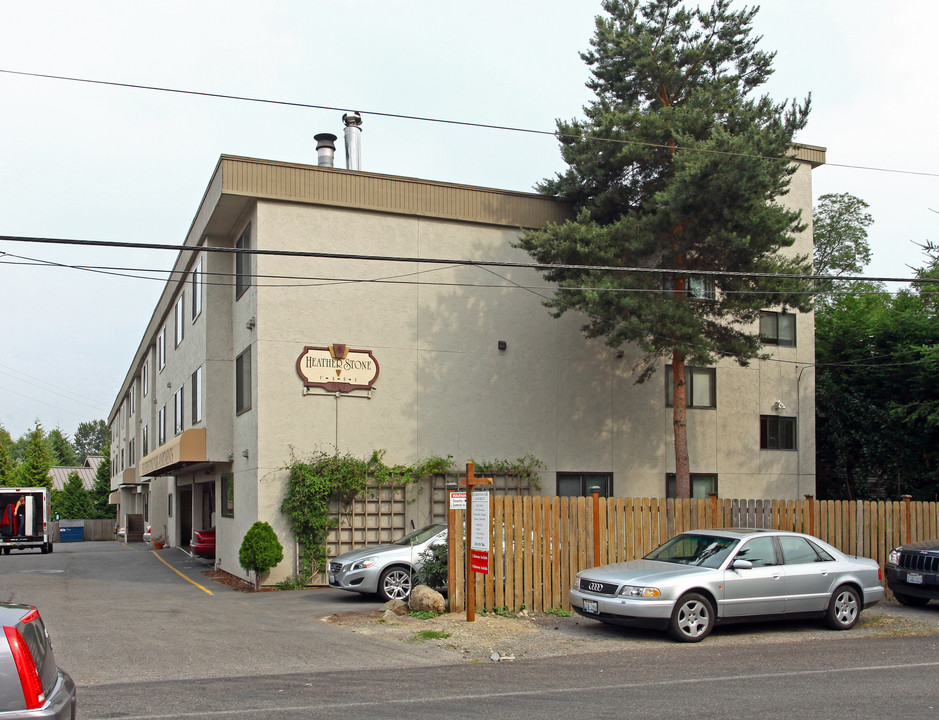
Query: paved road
x: 143, y: 638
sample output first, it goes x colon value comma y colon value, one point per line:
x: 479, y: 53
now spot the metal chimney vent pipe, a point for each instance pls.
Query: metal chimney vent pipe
x: 325, y: 149
x: 353, y: 136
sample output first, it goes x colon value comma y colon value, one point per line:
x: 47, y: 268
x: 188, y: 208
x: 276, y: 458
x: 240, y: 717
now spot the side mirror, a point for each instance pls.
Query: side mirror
x: 741, y: 565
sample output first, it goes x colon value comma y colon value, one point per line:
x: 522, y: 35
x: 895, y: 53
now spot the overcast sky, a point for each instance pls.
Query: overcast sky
x: 105, y: 163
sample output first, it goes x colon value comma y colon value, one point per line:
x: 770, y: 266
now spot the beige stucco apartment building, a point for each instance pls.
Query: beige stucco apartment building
x: 237, y: 369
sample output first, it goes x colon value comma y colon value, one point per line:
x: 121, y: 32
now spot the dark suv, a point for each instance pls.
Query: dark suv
x: 913, y: 572
x: 31, y: 684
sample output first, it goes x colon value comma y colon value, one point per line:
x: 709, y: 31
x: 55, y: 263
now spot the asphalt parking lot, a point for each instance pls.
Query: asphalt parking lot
x: 125, y: 613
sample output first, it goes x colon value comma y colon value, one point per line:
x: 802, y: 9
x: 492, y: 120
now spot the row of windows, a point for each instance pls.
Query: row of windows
x: 179, y: 314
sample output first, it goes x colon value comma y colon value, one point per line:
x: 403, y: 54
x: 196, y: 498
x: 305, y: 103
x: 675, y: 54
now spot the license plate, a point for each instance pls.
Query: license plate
x: 914, y: 578
x: 591, y: 606
x: 332, y: 579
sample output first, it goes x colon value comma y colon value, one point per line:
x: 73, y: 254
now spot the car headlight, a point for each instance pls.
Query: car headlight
x: 894, y: 556
x: 364, y: 563
x: 633, y: 591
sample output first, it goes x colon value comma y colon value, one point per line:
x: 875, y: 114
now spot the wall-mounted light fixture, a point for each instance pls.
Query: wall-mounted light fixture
x: 244, y: 453
x: 502, y: 345
x: 779, y: 405
x: 252, y: 321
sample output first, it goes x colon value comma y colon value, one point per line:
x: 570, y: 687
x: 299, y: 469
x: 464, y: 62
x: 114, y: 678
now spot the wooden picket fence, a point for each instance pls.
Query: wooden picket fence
x: 538, y: 544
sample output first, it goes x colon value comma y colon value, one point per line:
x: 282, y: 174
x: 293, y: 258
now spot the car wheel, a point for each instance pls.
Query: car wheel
x: 844, y: 608
x: 45, y: 549
x: 910, y: 600
x: 692, y: 619
x: 395, y: 584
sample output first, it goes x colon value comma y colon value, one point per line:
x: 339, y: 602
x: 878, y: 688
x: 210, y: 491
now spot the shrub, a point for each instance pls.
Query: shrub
x: 433, y: 572
x: 260, y: 551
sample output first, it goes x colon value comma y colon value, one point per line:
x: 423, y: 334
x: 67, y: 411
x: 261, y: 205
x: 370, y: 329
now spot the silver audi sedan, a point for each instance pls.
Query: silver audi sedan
x: 704, y: 577
x: 387, y: 570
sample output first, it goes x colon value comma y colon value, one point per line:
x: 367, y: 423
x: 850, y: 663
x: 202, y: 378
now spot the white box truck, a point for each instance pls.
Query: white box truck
x: 25, y: 515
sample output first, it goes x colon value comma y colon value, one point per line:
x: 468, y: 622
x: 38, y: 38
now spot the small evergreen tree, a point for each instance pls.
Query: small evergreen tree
x: 34, y: 470
x: 102, y: 489
x: 260, y: 551
x: 73, y: 502
x: 60, y: 449
x: 7, y: 469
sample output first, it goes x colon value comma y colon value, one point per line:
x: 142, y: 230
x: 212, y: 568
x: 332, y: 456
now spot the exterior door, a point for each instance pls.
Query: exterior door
x: 760, y: 590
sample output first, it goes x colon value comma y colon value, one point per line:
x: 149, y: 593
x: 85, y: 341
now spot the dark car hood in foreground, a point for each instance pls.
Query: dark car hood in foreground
x: 931, y: 546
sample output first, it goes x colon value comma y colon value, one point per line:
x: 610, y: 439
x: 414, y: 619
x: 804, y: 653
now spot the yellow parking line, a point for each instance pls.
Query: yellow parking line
x: 180, y: 574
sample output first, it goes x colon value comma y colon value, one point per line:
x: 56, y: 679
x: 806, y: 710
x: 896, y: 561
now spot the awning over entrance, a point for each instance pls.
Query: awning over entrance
x: 114, y: 498
x: 184, y: 449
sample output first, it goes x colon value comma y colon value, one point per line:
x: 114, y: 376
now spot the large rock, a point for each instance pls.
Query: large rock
x: 425, y: 599
x: 398, y: 607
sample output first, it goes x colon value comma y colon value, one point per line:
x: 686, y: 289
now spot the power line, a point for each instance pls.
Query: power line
x: 542, y: 267
x: 442, y: 121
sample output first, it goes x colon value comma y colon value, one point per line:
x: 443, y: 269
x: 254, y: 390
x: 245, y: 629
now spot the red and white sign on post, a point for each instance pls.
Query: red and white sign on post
x: 479, y: 550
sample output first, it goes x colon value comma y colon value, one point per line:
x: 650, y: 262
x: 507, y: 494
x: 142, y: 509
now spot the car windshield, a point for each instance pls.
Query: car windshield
x: 420, y: 536
x: 694, y: 549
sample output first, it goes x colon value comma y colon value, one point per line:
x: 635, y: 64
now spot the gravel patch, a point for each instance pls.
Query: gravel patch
x: 499, y: 638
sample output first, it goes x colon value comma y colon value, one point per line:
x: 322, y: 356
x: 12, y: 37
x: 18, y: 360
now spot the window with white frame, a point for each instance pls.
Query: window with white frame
x: 123, y: 413
x: 778, y: 328
x: 161, y: 426
x: 180, y: 314
x: 145, y: 441
x: 145, y: 378
x: 131, y: 458
x: 196, y: 287
x: 700, y: 387
x: 197, y: 396
x: 178, y: 411
x: 161, y: 349
x: 243, y: 263
x: 133, y: 398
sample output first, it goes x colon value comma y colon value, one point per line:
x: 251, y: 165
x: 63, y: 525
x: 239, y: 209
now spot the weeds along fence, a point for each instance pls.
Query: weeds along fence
x: 538, y: 544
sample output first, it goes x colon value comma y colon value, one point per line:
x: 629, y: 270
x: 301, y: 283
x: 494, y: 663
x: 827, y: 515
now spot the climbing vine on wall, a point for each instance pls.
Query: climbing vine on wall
x: 325, y: 478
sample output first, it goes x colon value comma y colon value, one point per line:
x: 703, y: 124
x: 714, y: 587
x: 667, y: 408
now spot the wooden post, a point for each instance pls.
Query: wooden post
x: 596, y: 526
x: 907, y: 519
x: 713, y: 498
x: 451, y: 545
x: 810, y: 512
x: 471, y: 481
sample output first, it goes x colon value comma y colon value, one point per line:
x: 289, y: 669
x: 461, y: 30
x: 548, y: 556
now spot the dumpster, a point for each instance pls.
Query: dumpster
x: 71, y: 530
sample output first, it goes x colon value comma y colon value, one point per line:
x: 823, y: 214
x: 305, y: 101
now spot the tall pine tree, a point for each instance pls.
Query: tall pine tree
x: 675, y: 168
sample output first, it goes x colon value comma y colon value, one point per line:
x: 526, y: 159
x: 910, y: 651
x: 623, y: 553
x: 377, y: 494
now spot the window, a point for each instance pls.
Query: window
x: 161, y: 348
x: 196, y: 286
x: 178, y: 412
x: 700, y: 288
x: 180, y: 325
x: 197, y: 396
x: 122, y: 459
x: 243, y: 381
x: 777, y: 433
x: 145, y: 441
x: 700, y: 384
x: 228, y: 496
x: 798, y: 550
x: 169, y: 506
x: 702, y: 485
x: 161, y: 426
x: 133, y: 398
x: 123, y: 414
x: 581, y: 484
x: 145, y: 378
x: 243, y: 263
x: 131, y: 458
x: 777, y: 328
x: 759, y: 550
